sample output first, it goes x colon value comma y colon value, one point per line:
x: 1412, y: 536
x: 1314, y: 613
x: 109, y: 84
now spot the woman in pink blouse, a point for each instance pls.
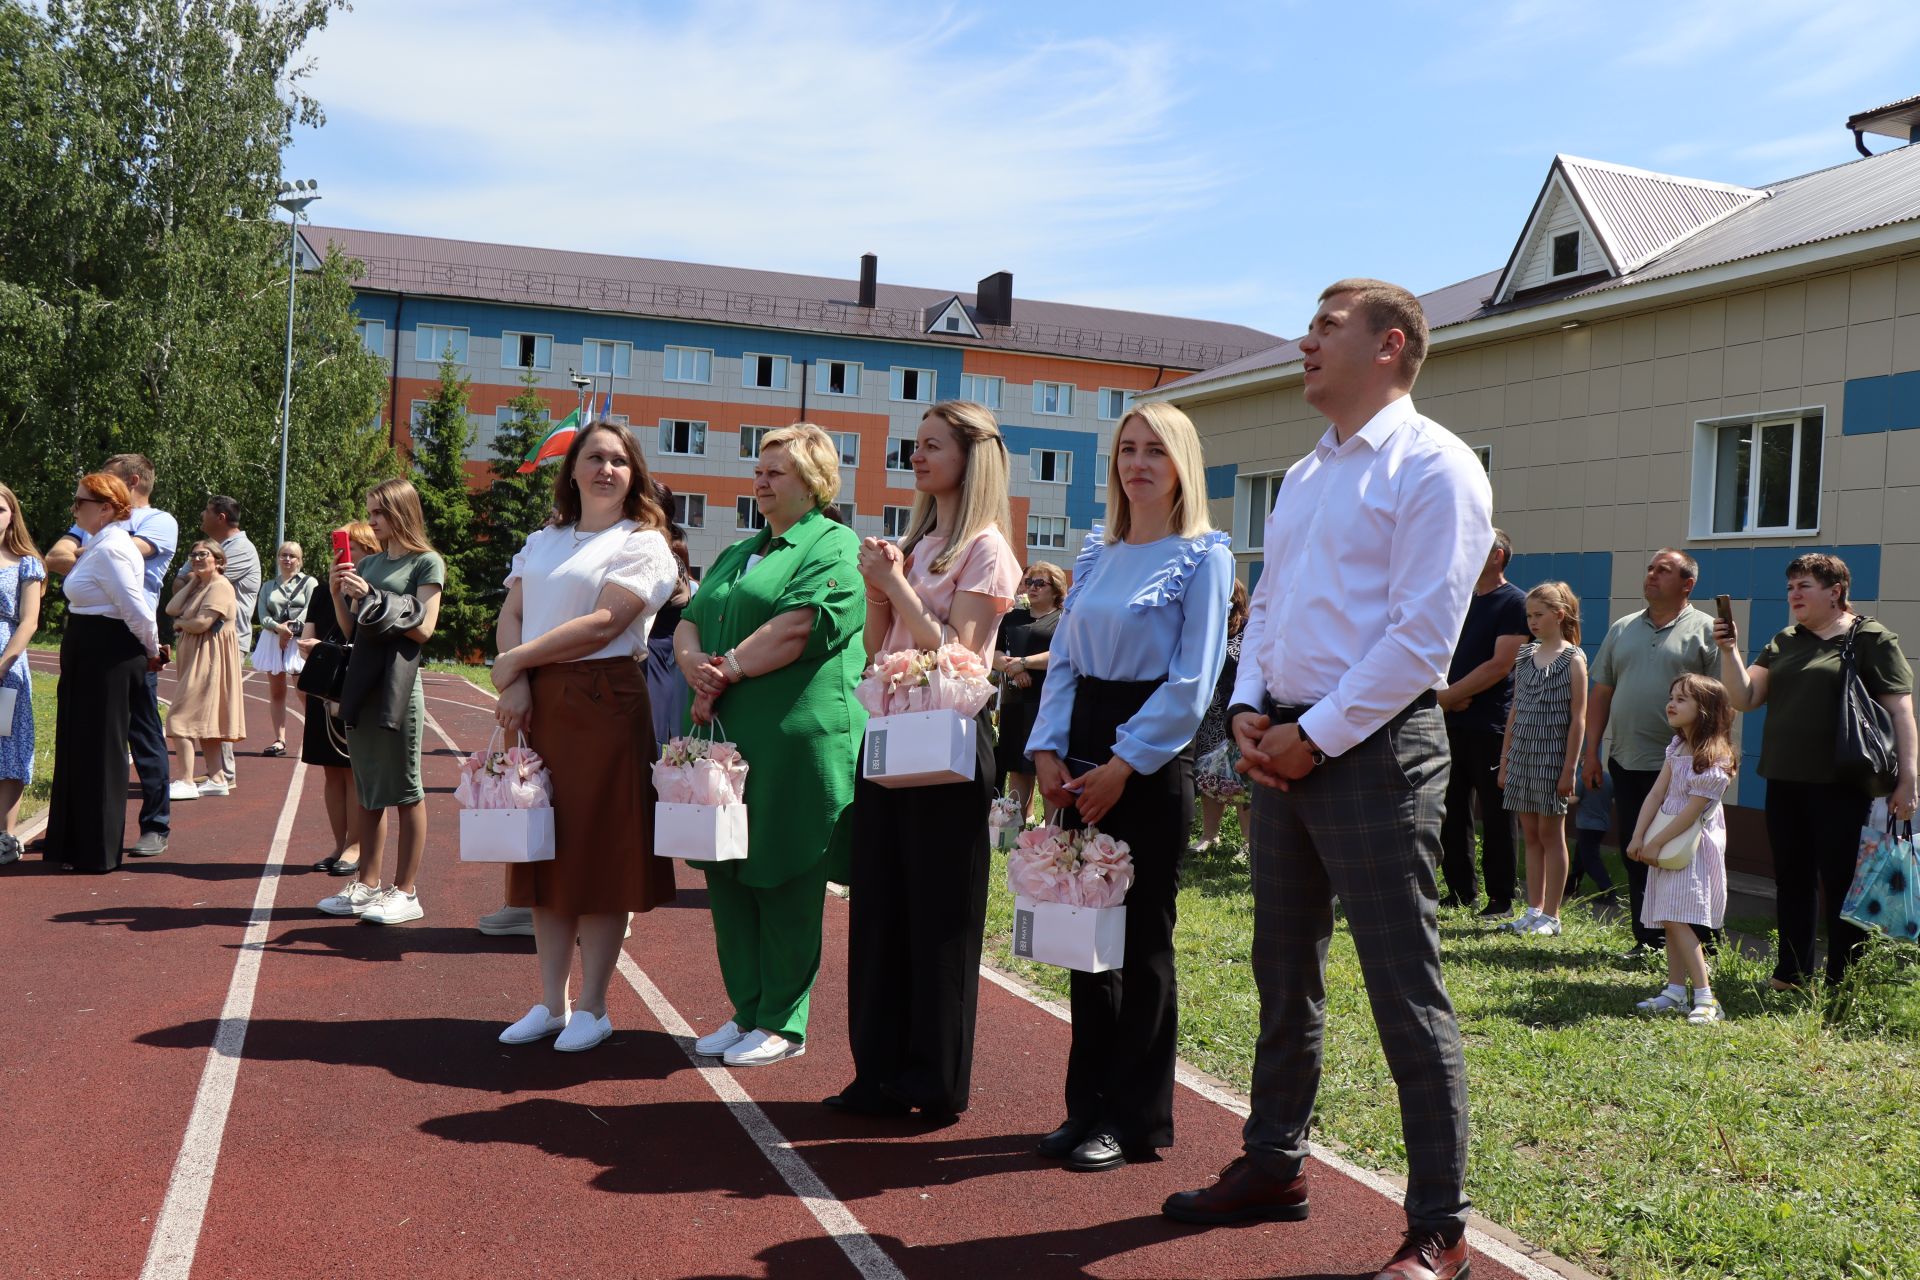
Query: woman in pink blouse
x: 920, y: 854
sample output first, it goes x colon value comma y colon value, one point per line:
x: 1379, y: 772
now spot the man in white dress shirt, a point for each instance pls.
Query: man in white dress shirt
x: 1372, y: 551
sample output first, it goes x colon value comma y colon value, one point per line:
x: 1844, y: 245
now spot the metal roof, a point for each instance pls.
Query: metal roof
x: 435, y: 267
x: 1895, y: 120
x: 1639, y: 214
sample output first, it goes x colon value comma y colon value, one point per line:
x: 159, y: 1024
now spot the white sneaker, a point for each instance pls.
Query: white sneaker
x: 1544, y: 926
x: 181, y: 789
x: 718, y: 1041
x: 583, y: 1032
x: 394, y: 907
x: 1523, y: 922
x: 350, y: 901
x: 762, y: 1048
x: 537, y: 1025
x: 212, y: 788
x: 507, y: 922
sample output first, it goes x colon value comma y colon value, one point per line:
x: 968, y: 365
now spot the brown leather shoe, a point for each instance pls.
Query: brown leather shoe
x: 1426, y: 1255
x: 1242, y: 1193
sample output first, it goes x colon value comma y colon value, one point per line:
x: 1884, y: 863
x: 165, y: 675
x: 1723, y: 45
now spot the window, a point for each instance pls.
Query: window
x: 617, y: 419
x: 836, y: 378
x: 893, y: 521
x: 900, y: 453
x: 687, y: 364
x: 1484, y: 452
x: 430, y: 343
x: 416, y: 410
x: 600, y: 358
x: 912, y: 384
x: 373, y: 335
x: 750, y: 438
x: 1049, y: 533
x: 1053, y: 397
x: 981, y: 389
x: 953, y: 324
x: 1566, y: 253
x: 1050, y: 466
x: 1102, y: 464
x: 690, y: 510
x: 1114, y: 403
x: 506, y: 416
x: 680, y: 436
x: 746, y: 515
x: 1251, y: 507
x: 1759, y: 475
x: 846, y: 512
x: 848, y: 443
x: 769, y: 373
x: 526, y: 351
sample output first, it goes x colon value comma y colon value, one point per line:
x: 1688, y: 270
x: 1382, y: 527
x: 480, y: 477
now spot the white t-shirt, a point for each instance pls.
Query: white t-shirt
x: 561, y: 572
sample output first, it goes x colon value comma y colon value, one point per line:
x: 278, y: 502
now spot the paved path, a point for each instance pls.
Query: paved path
x: 205, y: 1076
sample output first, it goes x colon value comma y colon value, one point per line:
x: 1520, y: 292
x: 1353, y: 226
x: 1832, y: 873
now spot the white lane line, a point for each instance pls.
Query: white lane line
x: 867, y: 1257
x: 176, y: 1234
x: 1506, y: 1255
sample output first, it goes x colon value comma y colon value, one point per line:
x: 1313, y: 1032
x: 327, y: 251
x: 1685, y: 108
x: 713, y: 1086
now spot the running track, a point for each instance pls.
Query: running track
x: 204, y: 1076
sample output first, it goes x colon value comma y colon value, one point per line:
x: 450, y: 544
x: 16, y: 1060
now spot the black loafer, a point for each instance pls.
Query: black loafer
x: 1099, y: 1152
x: 1060, y: 1144
x: 854, y: 1101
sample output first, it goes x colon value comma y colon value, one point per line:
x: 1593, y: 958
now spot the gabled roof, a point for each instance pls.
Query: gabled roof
x: 938, y: 314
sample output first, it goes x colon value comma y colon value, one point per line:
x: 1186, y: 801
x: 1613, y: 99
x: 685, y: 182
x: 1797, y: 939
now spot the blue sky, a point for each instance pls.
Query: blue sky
x: 1223, y: 160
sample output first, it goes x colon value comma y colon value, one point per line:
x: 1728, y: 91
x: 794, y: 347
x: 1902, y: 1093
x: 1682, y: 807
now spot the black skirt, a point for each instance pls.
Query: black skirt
x: 103, y: 668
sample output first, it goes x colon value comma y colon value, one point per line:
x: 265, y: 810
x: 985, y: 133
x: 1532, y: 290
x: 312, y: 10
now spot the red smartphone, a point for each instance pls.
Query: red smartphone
x: 342, y: 547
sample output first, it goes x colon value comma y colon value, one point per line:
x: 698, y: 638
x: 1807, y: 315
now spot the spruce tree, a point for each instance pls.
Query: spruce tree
x: 441, y: 437
x: 513, y: 505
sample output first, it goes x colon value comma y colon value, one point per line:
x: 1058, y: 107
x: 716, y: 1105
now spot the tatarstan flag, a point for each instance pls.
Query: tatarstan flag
x: 554, y: 444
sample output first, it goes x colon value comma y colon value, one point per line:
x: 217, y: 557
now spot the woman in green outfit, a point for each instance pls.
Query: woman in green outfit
x: 771, y: 644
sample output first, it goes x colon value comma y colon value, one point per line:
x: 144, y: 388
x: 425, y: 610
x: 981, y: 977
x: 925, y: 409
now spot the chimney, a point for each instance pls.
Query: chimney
x: 993, y: 301
x: 869, y: 278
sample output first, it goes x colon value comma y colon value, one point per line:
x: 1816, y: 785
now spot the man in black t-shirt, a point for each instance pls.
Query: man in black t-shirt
x: 1479, y: 685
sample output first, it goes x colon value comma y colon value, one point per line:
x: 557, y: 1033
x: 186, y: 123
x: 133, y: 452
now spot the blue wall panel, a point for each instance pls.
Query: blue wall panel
x: 1220, y: 480
x: 1083, y: 509
x: 1890, y: 403
x: 1589, y: 573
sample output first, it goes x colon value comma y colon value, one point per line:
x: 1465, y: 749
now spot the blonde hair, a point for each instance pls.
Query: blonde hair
x: 1175, y: 430
x: 406, y: 523
x: 1559, y: 597
x: 814, y: 455
x: 19, y: 540
x: 1057, y: 578
x: 983, y: 486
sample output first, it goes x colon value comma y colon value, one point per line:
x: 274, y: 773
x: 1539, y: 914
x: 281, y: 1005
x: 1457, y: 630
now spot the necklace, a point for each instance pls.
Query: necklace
x: 1042, y: 617
x: 581, y: 537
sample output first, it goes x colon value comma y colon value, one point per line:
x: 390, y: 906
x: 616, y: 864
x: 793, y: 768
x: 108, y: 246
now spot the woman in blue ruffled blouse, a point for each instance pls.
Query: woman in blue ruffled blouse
x: 1133, y: 668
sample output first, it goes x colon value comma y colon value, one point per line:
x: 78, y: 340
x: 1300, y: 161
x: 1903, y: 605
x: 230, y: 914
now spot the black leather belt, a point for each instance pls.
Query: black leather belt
x: 1279, y: 714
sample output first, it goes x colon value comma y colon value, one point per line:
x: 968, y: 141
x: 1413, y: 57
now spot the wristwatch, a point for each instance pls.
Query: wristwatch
x: 1319, y: 756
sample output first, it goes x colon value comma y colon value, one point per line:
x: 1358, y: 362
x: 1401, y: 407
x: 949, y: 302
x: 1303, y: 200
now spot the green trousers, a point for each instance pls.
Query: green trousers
x: 769, y: 945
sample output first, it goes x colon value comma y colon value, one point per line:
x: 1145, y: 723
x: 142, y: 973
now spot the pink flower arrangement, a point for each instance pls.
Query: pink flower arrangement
x: 950, y: 678
x: 1078, y: 868
x: 700, y: 771
x: 512, y: 779
x: 1003, y: 812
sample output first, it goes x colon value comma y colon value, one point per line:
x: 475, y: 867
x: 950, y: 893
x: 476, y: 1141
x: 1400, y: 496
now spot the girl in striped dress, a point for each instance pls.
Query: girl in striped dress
x: 1546, y: 722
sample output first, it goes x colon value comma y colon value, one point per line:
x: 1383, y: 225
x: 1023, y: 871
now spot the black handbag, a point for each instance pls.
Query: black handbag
x: 1863, y: 752
x: 325, y: 675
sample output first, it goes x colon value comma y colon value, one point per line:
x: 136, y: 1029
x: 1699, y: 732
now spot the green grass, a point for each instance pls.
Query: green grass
x: 1781, y: 1144
x: 482, y: 676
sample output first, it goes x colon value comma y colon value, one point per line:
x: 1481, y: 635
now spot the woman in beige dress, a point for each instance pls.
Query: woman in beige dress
x: 207, y: 708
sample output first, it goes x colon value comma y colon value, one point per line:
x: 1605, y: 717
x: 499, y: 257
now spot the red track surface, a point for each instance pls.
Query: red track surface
x: 377, y: 1128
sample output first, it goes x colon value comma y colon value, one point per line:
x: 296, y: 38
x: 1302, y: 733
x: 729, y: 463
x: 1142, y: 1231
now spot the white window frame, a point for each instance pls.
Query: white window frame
x: 445, y: 334
x: 849, y: 381
x: 1706, y: 473
x: 923, y: 384
x: 414, y: 409
x: 894, y: 521
x: 620, y: 358
x: 696, y: 430
x: 373, y: 336
x: 1062, y: 400
x: 1249, y: 526
x: 511, y: 341
x: 779, y: 370
x: 690, y: 510
x: 905, y: 445
x: 750, y: 438
x: 1102, y: 464
x: 1053, y: 529
x: 674, y: 358
x: 847, y: 443
x: 983, y: 389
x: 1578, y: 248
x: 618, y: 419
x: 1126, y: 403
x: 1062, y: 466
x: 747, y: 517
x: 847, y: 512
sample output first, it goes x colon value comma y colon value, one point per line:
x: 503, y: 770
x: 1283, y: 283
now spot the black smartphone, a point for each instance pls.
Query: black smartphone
x: 1723, y: 605
x: 1081, y: 768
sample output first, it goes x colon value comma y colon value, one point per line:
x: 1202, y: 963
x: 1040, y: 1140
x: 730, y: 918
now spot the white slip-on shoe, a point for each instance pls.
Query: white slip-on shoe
x: 537, y: 1025
x: 180, y: 789
x: 214, y: 787
x: 507, y: 922
x: 350, y: 901
x: 762, y: 1049
x: 583, y: 1032
x: 719, y: 1040
x: 394, y: 907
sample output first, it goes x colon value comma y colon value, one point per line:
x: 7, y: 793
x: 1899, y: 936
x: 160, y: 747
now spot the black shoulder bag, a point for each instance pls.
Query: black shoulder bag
x: 1863, y: 751
x: 325, y: 675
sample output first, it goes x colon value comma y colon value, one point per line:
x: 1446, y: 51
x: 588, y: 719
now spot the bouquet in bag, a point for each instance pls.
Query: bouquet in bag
x: 514, y: 778
x: 1075, y: 868
x: 950, y: 678
x: 1004, y: 821
x: 1215, y: 777
x: 694, y: 770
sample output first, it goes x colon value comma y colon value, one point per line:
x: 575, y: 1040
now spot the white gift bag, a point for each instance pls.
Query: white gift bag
x: 919, y: 749
x: 8, y: 698
x: 506, y: 835
x: 1090, y: 939
x: 700, y: 832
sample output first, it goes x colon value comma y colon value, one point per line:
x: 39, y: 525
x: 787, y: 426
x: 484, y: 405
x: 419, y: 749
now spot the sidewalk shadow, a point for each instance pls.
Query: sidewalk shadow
x: 158, y: 919
x: 455, y: 1053
x: 167, y: 865
x: 348, y: 939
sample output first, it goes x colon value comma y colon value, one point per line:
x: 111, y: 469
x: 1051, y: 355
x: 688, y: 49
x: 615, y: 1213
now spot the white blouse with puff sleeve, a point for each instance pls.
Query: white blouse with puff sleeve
x: 108, y: 582
x: 561, y: 572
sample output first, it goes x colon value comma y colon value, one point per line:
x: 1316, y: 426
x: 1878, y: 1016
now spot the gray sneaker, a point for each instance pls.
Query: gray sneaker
x: 151, y: 844
x: 507, y: 922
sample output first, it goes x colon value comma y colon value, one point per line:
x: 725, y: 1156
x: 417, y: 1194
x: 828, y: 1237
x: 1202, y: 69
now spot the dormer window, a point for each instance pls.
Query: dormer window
x: 1566, y: 253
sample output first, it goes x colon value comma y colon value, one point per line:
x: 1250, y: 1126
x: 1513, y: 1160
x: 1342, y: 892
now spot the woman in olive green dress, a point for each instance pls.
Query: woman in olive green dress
x: 771, y: 645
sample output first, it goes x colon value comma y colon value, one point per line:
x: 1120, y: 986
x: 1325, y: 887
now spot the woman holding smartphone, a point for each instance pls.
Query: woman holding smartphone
x: 920, y: 854
x: 1132, y: 673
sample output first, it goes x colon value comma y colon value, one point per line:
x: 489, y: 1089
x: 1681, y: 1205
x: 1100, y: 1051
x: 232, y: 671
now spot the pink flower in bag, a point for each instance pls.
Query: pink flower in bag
x: 700, y: 771
x: 1078, y: 868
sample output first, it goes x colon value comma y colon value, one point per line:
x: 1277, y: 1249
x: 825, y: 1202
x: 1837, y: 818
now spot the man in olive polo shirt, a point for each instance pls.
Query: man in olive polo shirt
x: 1643, y: 654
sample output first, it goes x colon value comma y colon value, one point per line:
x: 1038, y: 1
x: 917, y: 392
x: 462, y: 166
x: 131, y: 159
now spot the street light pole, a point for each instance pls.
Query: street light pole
x: 294, y: 197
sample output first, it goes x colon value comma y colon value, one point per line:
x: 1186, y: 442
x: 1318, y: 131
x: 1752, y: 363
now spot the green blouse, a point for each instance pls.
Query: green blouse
x: 1803, y: 695
x: 799, y: 728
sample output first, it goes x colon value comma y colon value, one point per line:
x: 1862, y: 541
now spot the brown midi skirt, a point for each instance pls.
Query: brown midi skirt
x: 593, y: 727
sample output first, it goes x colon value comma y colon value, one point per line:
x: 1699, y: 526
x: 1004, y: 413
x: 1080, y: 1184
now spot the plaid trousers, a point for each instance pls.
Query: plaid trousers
x: 1365, y: 826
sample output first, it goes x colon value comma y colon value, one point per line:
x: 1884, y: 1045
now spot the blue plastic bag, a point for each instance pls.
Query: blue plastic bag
x: 1886, y: 884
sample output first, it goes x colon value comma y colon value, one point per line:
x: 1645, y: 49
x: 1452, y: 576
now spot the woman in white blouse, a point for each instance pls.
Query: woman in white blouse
x: 581, y: 598
x: 110, y: 645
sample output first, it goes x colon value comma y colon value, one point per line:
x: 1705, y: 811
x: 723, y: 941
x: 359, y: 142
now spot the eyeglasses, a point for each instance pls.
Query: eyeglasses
x: 80, y: 498
x: 200, y: 555
x: 1035, y: 582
